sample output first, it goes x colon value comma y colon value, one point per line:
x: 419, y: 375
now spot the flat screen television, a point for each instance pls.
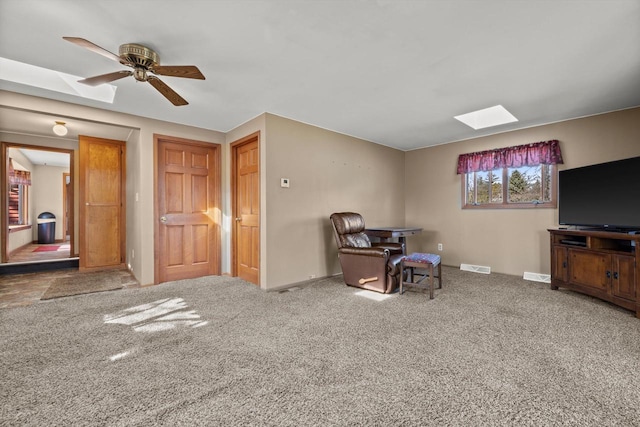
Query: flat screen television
x: 605, y: 195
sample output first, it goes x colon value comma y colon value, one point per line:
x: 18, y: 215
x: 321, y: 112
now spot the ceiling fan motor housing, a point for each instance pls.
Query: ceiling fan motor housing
x: 138, y: 56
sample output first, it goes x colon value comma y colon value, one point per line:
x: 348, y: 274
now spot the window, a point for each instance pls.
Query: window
x: 514, y: 177
x: 527, y: 186
x: 19, y: 182
x: 18, y: 204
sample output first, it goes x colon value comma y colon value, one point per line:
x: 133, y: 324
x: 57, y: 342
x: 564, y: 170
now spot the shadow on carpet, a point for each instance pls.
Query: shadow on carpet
x: 86, y: 283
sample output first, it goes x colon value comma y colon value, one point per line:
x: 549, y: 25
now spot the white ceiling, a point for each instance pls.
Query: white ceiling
x: 47, y: 158
x: 392, y: 72
x: 37, y: 124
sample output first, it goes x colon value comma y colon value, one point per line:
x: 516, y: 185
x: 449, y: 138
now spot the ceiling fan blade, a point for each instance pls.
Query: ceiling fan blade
x: 186, y: 71
x: 105, y: 78
x: 168, y: 93
x: 93, y: 47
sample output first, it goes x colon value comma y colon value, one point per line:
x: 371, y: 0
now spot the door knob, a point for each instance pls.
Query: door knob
x: 163, y: 219
x: 239, y: 219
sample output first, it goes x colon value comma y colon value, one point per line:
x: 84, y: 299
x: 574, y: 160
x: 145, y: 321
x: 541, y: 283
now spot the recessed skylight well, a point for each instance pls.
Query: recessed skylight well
x: 31, y: 75
x: 488, y: 117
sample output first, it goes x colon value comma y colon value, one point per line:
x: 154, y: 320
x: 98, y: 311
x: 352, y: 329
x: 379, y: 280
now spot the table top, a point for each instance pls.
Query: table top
x: 392, y: 231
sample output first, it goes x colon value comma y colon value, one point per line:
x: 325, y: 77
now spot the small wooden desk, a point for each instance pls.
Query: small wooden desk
x: 386, y: 233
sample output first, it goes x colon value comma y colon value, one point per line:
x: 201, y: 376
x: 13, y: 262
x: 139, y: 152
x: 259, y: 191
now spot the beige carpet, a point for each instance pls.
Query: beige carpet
x: 489, y: 350
x: 86, y: 283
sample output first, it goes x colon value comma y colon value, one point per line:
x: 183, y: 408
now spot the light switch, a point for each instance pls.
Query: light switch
x: 284, y: 182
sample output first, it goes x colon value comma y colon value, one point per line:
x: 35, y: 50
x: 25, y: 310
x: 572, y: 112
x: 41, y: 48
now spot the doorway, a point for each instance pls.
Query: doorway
x: 32, y: 175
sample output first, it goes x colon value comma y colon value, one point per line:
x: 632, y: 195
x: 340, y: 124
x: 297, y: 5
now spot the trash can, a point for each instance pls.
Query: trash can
x: 46, y: 228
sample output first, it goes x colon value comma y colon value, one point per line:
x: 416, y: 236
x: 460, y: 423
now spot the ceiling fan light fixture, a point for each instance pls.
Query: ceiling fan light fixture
x: 140, y: 74
x: 60, y: 129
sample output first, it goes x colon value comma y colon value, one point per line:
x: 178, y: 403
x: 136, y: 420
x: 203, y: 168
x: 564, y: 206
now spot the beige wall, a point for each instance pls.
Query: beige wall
x: 47, y: 196
x: 509, y: 241
x: 140, y: 214
x: 328, y: 172
x: 332, y: 172
x: 133, y: 215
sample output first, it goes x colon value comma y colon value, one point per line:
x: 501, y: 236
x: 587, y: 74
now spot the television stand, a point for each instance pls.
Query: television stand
x: 603, y: 264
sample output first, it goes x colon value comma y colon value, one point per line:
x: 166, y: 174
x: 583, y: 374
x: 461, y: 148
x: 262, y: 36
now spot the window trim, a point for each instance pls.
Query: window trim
x: 504, y: 204
x: 23, y: 205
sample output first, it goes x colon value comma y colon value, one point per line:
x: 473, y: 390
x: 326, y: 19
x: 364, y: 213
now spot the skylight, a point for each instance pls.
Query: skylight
x: 488, y: 117
x: 31, y: 75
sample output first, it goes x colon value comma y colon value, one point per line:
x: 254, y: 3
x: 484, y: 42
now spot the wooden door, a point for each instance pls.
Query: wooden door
x: 246, y: 208
x: 102, y: 202
x: 188, y: 209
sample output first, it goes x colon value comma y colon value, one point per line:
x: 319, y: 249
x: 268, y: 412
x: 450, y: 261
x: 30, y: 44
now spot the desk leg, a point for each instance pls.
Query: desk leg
x: 430, y: 281
x: 402, y: 241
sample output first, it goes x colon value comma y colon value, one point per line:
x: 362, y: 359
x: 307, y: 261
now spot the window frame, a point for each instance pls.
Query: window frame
x: 505, y: 204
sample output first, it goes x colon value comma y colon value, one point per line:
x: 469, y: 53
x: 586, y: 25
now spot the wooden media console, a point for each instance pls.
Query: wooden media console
x: 603, y: 264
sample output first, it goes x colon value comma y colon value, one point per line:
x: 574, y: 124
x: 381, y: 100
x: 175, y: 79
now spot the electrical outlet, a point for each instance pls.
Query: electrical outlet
x: 312, y: 276
x: 439, y: 246
x: 133, y: 254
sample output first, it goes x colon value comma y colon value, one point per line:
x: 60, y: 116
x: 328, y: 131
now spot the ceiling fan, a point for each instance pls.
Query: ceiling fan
x: 144, y: 61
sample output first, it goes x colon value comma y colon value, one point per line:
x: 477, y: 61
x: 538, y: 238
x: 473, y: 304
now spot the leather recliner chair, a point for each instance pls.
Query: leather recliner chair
x: 376, y: 266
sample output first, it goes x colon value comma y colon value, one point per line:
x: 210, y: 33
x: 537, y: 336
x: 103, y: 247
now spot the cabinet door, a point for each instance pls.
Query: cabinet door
x: 624, y: 277
x: 590, y: 269
x: 559, y: 270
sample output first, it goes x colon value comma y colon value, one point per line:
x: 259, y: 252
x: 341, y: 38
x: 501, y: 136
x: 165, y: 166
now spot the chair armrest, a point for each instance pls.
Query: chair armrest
x: 373, y: 251
x: 392, y: 247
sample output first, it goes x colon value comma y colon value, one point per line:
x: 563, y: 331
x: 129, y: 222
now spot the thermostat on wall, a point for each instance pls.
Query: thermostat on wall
x: 284, y: 182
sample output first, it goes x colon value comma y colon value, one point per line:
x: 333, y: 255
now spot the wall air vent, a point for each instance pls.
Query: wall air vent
x: 475, y: 268
x: 537, y: 277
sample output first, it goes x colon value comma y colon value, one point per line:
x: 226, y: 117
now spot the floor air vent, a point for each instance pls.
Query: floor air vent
x: 475, y: 268
x: 537, y: 277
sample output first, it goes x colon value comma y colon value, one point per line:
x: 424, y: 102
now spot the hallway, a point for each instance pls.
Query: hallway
x: 40, y: 252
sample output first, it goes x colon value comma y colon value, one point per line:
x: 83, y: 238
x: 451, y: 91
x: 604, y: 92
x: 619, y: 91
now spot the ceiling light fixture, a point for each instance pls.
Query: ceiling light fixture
x: 492, y: 116
x: 60, y: 129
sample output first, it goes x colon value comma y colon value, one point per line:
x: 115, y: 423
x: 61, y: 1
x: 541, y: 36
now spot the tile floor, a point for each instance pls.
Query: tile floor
x: 17, y: 290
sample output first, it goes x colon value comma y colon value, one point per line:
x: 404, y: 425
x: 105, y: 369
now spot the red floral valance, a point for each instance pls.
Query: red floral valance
x: 537, y: 153
x: 18, y: 177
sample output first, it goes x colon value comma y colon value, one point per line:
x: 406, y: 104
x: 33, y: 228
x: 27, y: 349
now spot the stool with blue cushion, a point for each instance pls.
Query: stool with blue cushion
x: 425, y: 262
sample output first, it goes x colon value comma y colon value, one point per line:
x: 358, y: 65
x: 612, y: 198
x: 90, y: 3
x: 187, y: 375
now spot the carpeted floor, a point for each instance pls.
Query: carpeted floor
x: 488, y: 350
